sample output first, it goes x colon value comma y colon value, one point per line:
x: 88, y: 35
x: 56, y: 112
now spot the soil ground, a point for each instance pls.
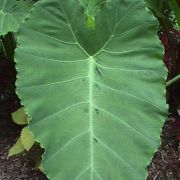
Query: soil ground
x: 19, y: 167
x: 166, y: 161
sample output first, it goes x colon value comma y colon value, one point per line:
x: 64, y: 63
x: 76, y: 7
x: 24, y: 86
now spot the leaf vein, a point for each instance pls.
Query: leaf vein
x: 127, y: 51
x: 54, y: 83
x: 115, y: 154
x: 53, y: 38
x: 129, y: 30
x: 55, y: 60
x: 120, y: 69
x: 81, y: 173
x: 115, y: 27
x: 128, y: 94
x: 70, y: 26
x: 98, y: 175
x: 67, y: 144
x: 57, y: 113
x: 125, y: 124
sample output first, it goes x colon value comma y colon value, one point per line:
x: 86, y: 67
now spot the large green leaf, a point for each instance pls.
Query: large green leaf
x: 12, y: 13
x: 96, y: 96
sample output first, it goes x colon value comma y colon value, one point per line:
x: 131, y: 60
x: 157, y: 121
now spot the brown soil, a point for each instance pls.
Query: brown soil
x: 19, y: 167
x: 166, y: 162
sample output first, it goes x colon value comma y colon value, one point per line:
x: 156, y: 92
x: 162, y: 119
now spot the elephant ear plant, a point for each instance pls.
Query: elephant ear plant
x: 95, y: 96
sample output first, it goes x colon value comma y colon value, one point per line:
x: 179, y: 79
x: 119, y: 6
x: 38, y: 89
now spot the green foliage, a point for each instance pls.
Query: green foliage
x: 91, y: 6
x: 12, y: 13
x: 96, y: 95
x: 91, y: 22
x: 27, y: 138
x: 166, y: 12
x: 17, y: 148
x: 176, y: 8
x: 24, y: 142
x: 20, y: 117
x: 156, y: 6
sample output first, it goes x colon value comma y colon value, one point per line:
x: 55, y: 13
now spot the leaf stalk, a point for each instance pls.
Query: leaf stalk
x: 172, y: 81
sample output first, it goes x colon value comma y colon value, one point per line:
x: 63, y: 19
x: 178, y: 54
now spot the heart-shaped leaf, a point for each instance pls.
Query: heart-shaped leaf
x: 96, y: 95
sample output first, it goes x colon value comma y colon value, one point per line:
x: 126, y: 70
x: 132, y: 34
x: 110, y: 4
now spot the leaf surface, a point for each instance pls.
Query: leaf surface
x: 97, y: 96
x: 12, y: 13
x: 17, y: 148
x: 27, y: 138
x: 20, y: 117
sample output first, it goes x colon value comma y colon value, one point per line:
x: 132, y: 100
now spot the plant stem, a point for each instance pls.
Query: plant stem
x: 172, y: 81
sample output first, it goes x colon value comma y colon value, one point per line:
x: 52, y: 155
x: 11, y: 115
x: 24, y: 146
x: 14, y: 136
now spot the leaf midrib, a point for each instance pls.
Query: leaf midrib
x: 91, y: 81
